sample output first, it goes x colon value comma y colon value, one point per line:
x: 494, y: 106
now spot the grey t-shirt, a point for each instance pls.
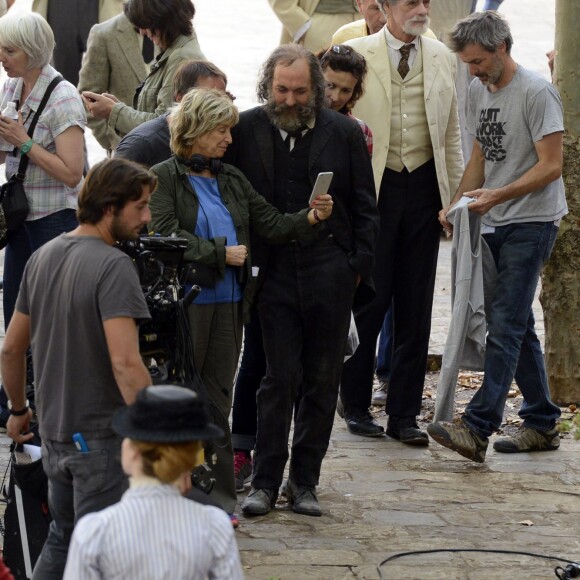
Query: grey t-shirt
x: 71, y: 285
x: 507, y: 124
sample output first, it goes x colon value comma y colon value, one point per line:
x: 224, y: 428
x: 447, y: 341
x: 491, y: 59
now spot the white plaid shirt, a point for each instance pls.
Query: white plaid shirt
x: 47, y: 195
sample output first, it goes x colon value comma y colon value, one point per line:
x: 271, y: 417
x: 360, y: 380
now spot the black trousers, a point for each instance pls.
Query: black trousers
x: 250, y: 374
x: 71, y: 22
x: 304, y: 309
x: 404, y: 272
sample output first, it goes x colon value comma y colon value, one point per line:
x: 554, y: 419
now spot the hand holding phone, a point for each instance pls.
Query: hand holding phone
x: 321, y: 186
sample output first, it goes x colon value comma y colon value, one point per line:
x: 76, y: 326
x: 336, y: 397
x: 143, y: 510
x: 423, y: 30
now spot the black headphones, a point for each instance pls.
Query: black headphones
x: 199, y: 163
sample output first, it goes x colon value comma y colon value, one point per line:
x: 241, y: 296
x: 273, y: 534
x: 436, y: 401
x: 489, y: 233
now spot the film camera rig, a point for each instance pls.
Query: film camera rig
x: 164, y: 340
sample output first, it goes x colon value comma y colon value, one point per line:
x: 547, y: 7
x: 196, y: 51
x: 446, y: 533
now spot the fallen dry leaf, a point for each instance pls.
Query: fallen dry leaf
x: 526, y: 523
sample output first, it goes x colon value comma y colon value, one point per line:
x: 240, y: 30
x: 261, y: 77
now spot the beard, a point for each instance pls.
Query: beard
x: 417, y: 26
x: 120, y: 232
x: 290, y: 118
x: 494, y: 75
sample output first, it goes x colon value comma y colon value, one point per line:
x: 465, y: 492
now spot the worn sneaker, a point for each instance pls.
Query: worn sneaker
x: 527, y: 439
x: 380, y: 395
x: 242, y: 469
x: 455, y: 435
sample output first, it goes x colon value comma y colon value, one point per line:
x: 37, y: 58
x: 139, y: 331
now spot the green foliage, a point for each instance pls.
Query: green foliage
x: 571, y: 425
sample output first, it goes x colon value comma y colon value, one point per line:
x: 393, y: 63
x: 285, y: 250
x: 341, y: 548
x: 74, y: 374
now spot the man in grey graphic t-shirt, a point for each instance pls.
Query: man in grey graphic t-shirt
x: 514, y: 176
x: 78, y: 307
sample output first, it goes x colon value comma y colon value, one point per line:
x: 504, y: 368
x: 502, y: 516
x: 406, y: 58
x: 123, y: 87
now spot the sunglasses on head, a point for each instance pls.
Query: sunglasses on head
x: 340, y: 49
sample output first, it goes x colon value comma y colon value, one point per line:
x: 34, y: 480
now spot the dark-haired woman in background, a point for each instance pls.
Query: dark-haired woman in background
x: 168, y: 24
x: 345, y: 71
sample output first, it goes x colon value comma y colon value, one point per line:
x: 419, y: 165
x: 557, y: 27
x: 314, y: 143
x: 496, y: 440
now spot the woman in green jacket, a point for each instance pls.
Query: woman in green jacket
x: 168, y: 24
x: 213, y: 206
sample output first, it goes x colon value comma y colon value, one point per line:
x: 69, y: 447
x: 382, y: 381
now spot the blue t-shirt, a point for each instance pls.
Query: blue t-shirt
x: 214, y: 221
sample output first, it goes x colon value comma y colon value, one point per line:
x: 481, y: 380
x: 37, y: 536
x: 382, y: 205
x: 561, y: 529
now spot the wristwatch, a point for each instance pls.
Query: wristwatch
x: 19, y: 412
x: 26, y: 146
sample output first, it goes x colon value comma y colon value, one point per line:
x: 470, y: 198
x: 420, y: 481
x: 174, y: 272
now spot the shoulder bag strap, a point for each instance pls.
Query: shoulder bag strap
x: 24, y: 159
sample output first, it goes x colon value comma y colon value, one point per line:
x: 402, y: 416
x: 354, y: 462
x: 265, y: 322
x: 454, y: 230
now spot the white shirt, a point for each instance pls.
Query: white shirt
x: 394, y: 45
x: 154, y: 533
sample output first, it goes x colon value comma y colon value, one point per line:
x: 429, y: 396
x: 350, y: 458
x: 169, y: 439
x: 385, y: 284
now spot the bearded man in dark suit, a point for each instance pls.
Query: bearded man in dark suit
x: 305, y: 299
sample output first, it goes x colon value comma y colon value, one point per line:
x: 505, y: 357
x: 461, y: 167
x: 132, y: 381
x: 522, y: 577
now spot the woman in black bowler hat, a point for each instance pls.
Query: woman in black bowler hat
x: 154, y: 532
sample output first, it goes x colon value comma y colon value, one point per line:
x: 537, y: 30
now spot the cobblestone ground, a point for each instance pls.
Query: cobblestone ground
x: 378, y: 496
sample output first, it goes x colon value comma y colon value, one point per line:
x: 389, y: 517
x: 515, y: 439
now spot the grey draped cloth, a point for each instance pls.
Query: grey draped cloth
x: 473, y: 275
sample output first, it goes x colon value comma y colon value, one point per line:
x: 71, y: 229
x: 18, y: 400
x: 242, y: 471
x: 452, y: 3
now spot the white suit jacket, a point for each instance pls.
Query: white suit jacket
x: 293, y: 14
x: 374, y: 108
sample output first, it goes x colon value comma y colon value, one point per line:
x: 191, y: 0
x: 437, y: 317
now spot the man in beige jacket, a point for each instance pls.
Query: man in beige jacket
x: 410, y: 104
x: 71, y: 21
x: 372, y: 21
x: 114, y: 63
x: 312, y: 22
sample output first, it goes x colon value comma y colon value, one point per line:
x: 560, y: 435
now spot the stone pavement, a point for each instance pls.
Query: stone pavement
x: 378, y: 496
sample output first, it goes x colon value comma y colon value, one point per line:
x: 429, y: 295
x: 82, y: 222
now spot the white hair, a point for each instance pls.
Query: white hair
x: 30, y: 33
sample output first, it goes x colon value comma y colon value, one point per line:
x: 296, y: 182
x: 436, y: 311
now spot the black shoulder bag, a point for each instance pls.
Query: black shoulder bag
x: 12, y: 195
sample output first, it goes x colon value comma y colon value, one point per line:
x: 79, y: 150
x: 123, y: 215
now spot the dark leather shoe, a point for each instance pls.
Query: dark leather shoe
x: 406, y: 430
x: 303, y: 499
x: 259, y: 502
x: 363, y: 423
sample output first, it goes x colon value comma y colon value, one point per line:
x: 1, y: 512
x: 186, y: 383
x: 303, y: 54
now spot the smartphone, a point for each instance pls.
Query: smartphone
x: 80, y: 443
x: 321, y: 186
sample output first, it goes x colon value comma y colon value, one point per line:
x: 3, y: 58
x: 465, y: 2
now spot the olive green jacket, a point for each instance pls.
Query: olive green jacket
x: 174, y: 206
x: 156, y: 95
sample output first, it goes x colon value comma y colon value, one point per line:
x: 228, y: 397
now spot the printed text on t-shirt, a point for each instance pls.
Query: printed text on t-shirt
x: 490, y: 133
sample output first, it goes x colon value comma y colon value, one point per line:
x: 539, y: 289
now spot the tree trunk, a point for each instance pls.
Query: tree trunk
x: 560, y: 295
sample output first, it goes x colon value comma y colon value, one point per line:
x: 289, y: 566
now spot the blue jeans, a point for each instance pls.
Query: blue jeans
x: 78, y: 484
x: 385, y: 352
x: 512, y: 346
x: 492, y: 4
x: 23, y: 243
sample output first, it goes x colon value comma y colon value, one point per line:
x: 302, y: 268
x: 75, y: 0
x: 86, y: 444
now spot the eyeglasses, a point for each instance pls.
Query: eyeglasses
x: 340, y: 49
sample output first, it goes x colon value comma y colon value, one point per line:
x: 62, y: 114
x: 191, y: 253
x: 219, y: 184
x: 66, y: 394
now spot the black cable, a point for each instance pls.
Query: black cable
x: 571, y: 571
x: 478, y: 550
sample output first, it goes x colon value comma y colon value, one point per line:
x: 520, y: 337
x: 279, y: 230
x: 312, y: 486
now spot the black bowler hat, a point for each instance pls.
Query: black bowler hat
x: 166, y: 414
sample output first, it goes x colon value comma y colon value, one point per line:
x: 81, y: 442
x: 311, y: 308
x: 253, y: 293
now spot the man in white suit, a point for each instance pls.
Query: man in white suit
x: 410, y: 103
x: 312, y: 22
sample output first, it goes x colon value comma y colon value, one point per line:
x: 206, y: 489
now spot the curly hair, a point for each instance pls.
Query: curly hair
x: 343, y: 58
x: 287, y: 55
